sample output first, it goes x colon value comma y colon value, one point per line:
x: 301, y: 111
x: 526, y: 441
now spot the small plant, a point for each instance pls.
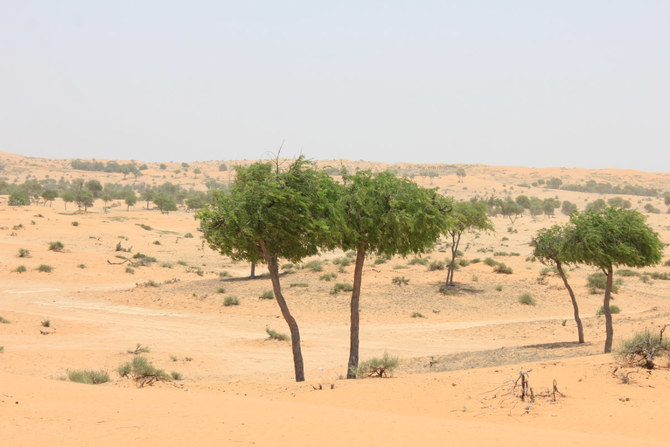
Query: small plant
x: 597, y: 281
x: 380, y: 261
x: 378, y: 367
x: 75, y: 223
x: 130, y: 270
x: 81, y: 266
x: 44, y: 268
x: 150, y: 283
x: 188, y: 236
x: 627, y: 272
x: 420, y: 261
x: 298, y: 284
x: 46, y: 323
x: 267, y: 295
x: 400, y: 281
x: 490, y: 262
x: 24, y: 253
x: 4, y: 320
x: 88, y: 376
x: 662, y: 276
x: 643, y: 348
x: 526, y: 299
x: 499, y: 288
x: 436, y: 265
x: 20, y: 269
x: 475, y: 278
x: 342, y: 262
x: 274, y: 335
x: 2, y: 349
x: 56, y: 246
x: 231, y: 301
x: 224, y: 274
x: 173, y: 358
x: 341, y: 287
x: 143, y: 372
x: 328, y: 276
x: 139, y: 349
x: 145, y: 227
x: 156, y: 242
x: 176, y: 376
x: 314, y: 266
x: 220, y: 290
x: 180, y: 262
x: 417, y: 315
x: 502, y: 268
x: 614, y: 309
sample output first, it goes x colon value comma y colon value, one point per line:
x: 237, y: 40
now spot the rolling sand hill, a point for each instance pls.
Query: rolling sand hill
x: 458, y: 361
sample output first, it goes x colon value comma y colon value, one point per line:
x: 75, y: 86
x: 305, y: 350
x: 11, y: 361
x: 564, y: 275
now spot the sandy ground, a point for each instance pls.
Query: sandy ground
x: 458, y: 363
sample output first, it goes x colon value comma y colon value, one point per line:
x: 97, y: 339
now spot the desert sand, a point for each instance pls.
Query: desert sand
x: 458, y: 362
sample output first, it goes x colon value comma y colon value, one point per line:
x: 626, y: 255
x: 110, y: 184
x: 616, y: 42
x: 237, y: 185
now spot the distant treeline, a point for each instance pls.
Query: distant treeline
x: 110, y: 166
x: 604, y: 188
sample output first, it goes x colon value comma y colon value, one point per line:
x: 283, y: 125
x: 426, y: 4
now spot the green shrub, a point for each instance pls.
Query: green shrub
x: 341, y: 287
x: 139, y: 349
x: 20, y: 269
x: 44, y: 268
x: 176, y: 376
x: 420, y: 261
x: 657, y: 275
x: 220, y: 290
x: 156, y: 242
x: 328, y: 276
x: 88, y: 376
x: 627, y: 272
x: 598, y: 281
x: 56, y: 246
x: 188, y: 236
x: 274, y: 335
x: 417, y: 315
x: 342, y: 262
x: 75, y: 223
x: 527, y: 299
x: 24, y: 253
x: 4, y: 321
x: 314, y: 266
x: 81, y: 266
x: 378, y: 367
x: 46, y: 323
x: 231, y: 301
x: 642, y: 349
x: 400, y: 281
x: 2, y: 349
x: 463, y: 262
x: 501, y: 253
x: 267, y: 295
x: 298, y: 284
x: 436, y: 265
x: 614, y: 309
x: 475, y: 278
x: 145, y: 227
x: 130, y: 270
x: 143, y: 372
x: 490, y: 262
x: 502, y: 268
x: 499, y: 288
x: 224, y: 274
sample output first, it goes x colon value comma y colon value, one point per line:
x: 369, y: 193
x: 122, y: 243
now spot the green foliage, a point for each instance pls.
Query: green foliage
x: 568, y: 207
x: 436, y: 265
x: 88, y: 376
x: 231, y: 301
x: 4, y: 321
x: 627, y: 272
x: 139, y: 349
x: 274, y: 335
x: 56, y: 246
x: 490, y: 262
x: 164, y: 202
x: 502, y: 268
x: 267, y: 295
x: 499, y: 288
x: 299, y: 284
x: 643, y: 348
x: 314, y: 266
x: 651, y: 209
x: 188, y: 236
x: 46, y: 323
x: 130, y: 270
x: 44, y: 268
x: 328, y: 276
x: 18, y: 198
x: 341, y: 287
x: 596, y: 205
x: 658, y: 275
x: 176, y: 376
x: 142, y: 371
x: 526, y: 299
x: 378, y: 367
x: 145, y: 227
x: 598, y: 281
x: 400, y: 281
x: 417, y: 315
x: 342, y: 262
x: 20, y: 269
x: 24, y: 253
x: 420, y: 261
x: 614, y: 309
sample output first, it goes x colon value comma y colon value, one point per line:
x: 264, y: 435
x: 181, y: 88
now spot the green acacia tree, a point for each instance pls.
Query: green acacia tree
x: 386, y: 215
x: 464, y: 216
x: 271, y: 213
x: 549, y: 248
x: 609, y: 237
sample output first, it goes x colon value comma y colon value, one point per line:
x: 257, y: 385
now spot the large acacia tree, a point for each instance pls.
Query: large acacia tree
x: 464, y: 216
x: 386, y: 215
x: 271, y: 213
x: 549, y: 248
x: 609, y: 237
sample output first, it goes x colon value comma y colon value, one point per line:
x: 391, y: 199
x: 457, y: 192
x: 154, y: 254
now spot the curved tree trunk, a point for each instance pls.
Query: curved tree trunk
x: 455, y: 240
x: 273, y: 267
x: 580, y: 328
x: 609, y: 330
x: 352, y: 366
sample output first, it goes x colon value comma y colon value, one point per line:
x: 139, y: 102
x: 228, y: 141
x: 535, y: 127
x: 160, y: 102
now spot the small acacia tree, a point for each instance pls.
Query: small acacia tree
x: 270, y: 213
x: 610, y: 237
x: 549, y: 248
x: 464, y: 216
x: 385, y: 215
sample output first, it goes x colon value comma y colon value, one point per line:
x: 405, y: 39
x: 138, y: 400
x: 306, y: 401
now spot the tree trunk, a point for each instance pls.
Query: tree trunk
x: 273, y: 267
x: 455, y: 240
x: 580, y: 328
x: 352, y: 366
x: 252, y: 275
x: 609, y: 330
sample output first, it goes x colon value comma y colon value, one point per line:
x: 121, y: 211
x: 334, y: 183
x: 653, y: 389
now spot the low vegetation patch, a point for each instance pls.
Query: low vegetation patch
x: 341, y: 287
x: 417, y: 315
x: 56, y: 246
x: 20, y: 269
x: 88, y: 376
x: 267, y: 295
x: 44, y: 268
x: 231, y: 301
x: 24, y: 253
x: 614, y: 309
x: 419, y: 261
x: 328, y: 276
x: 142, y: 372
x: 274, y: 335
x: 598, y: 281
x: 400, y: 281
x: 4, y: 320
x: 643, y: 348
x: 378, y: 367
x: 527, y: 299
x: 314, y: 266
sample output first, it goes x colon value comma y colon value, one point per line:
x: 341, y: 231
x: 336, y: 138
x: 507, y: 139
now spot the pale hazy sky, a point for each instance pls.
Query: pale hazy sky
x: 531, y: 83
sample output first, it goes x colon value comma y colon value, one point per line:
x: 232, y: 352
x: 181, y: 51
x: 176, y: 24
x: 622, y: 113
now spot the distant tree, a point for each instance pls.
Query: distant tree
x: 162, y: 166
x: 386, y: 215
x: 460, y: 173
x: 651, y: 209
x: 596, y: 205
x: 607, y: 238
x: 130, y: 199
x: 84, y: 199
x: 523, y: 201
x: 554, y: 183
x: 94, y: 186
x: 510, y: 209
x: 147, y: 195
x: 619, y: 202
x: 549, y: 248
x: 464, y: 216
x: 271, y: 213
x: 68, y: 197
x: 549, y: 205
x: 223, y: 167
x: 49, y: 195
x: 666, y: 198
x: 195, y: 202
x: 568, y: 207
x: 165, y: 203
x: 536, y: 207
x: 19, y: 198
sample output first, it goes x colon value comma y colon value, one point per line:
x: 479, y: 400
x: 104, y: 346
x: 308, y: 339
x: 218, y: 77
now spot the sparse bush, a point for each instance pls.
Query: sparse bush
x: 614, y: 309
x: 597, y: 281
x: 24, y: 253
x: 341, y: 287
x: 527, y: 299
x: 139, y: 349
x: 417, y: 315
x: 378, y: 367
x: 475, y: 278
x: 231, y: 301
x: 145, y: 227
x: 314, y: 266
x: 274, y: 335
x: 44, y: 268
x: 627, y: 272
x: 176, y: 376
x: 380, y: 261
x: 420, y: 261
x: 88, y: 376
x: 436, y: 265
x: 56, y: 246
x: 643, y: 348
x: 20, y: 269
x: 143, y: 372
x: 46, y: 323
x: 157, y: 242
x: 499, y: 288
x: 502, y: 268
x: 662, y: 276
x: 400, y: 281
x: 130, y: 270
x: 4, y: 321
x: 81, y: 266
x: 224, y: 274
x: 490, y: 262
x: 328, y: 276
x: 188, y: 236
x: 75, y: 223
x: 220, y: 290
x: 299, y: 284
x: 342, y: 262
x: 267, y: 295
